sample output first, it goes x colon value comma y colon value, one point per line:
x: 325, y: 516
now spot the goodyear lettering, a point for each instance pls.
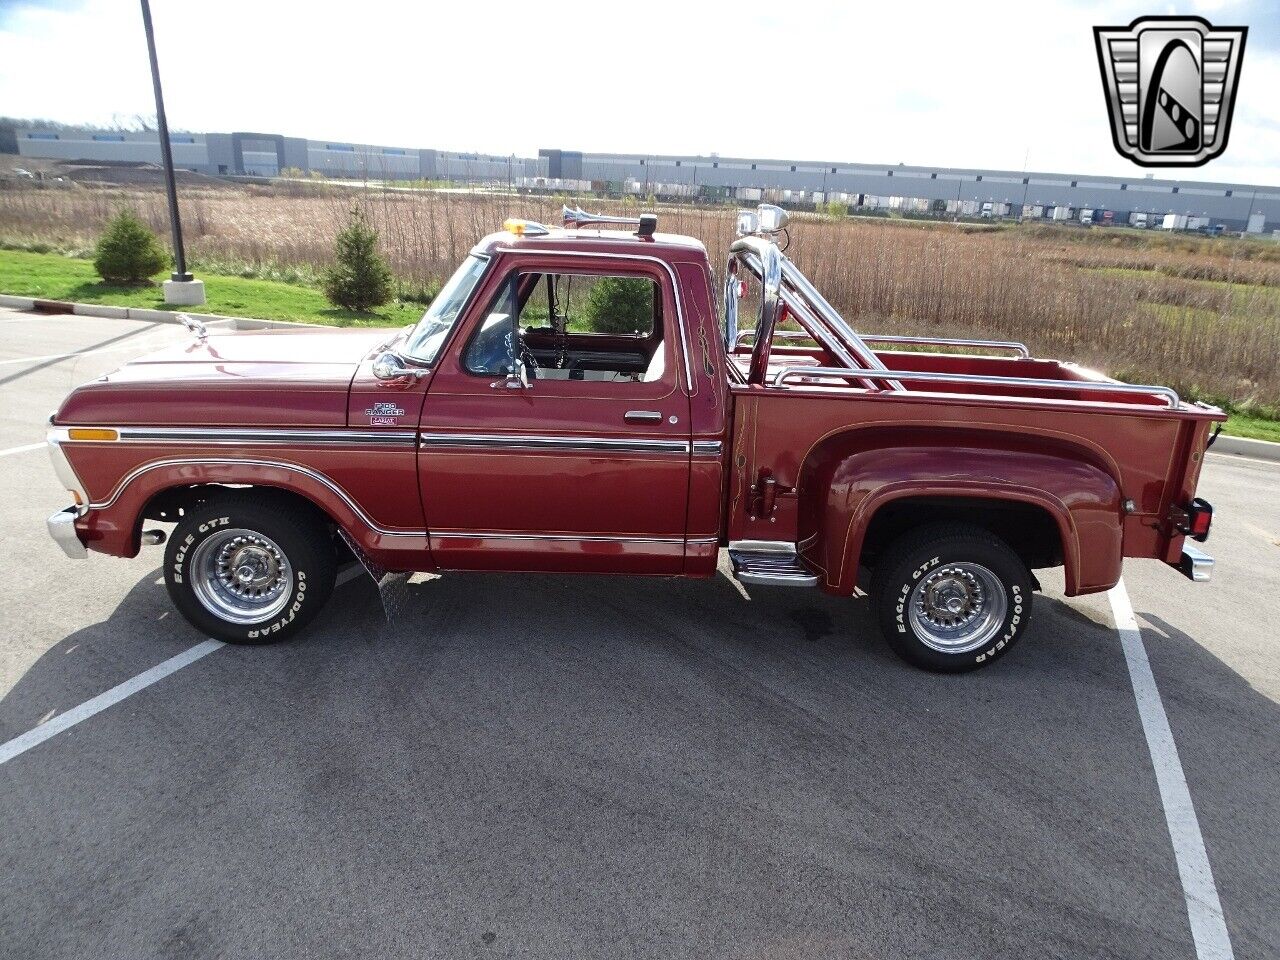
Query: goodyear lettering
x: 288, y: 618
x: 1012, y: 632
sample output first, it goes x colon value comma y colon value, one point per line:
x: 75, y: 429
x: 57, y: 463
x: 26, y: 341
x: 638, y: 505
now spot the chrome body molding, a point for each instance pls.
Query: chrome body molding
x: 337, y: 436
x: 763, y: 546
x: 707, y: 448
x: 501, y: 441
x: 589, y: 537
x: 62, y: 527
x: 316, y: 475
x: 346, y: 498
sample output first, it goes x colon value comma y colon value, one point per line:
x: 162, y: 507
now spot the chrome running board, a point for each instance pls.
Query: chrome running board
x: 769, y: 563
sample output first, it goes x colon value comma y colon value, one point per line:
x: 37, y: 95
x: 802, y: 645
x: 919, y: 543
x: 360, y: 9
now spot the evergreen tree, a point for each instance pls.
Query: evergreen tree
x: 359, y: 279
x: 127, y: 252
x: 620, y: 305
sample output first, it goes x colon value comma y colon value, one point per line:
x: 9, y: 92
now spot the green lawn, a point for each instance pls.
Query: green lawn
x: 1256, y: 428
x: 52, y: 276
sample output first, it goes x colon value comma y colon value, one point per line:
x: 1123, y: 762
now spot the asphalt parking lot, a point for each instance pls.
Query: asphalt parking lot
x: 601, y: 767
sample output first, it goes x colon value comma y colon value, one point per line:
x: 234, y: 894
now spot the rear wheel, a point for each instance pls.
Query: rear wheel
x: 250, y: 568
x: 952, y: 597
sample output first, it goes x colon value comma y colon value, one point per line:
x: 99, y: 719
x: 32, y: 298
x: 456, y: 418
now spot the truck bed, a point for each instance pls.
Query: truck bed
x: 1152, y: 449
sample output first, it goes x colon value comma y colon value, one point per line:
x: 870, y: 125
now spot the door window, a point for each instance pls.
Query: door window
x: 572, y: 327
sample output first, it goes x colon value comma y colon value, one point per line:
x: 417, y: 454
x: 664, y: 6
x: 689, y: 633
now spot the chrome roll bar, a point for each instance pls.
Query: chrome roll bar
x: 803, y: 299
x: 1168, y: 394
x: 1018, y: 348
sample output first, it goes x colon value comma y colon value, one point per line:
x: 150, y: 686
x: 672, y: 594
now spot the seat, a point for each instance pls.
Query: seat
x: 657, y: 364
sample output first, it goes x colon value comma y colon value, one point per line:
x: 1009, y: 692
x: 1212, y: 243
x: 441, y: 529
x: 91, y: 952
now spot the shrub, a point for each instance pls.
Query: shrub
x: 359, y: 280
x: 837, y: 209
x: 127, y: 252
x: 620, y: 305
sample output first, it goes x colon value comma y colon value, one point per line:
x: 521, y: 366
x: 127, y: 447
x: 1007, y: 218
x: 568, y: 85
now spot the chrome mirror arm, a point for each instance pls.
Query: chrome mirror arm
x: 391, y: 366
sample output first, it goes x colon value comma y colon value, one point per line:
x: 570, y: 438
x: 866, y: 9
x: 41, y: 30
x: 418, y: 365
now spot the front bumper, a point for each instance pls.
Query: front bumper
x: 62, y: 527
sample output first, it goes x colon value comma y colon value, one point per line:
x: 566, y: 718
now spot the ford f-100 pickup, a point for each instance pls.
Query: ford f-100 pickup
x: 574, y: 401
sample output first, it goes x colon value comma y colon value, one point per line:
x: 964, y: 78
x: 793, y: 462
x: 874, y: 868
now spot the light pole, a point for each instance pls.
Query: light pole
x: 182, y: 287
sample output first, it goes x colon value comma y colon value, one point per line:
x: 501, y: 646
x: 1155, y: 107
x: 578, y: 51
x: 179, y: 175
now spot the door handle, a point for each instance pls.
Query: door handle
x: 642, y: 416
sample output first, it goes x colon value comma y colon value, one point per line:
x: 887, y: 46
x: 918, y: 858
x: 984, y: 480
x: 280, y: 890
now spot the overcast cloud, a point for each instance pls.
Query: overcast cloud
x: 982, y: 85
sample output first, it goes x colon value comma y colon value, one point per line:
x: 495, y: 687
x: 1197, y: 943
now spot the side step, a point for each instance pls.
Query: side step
x: 769, y: 563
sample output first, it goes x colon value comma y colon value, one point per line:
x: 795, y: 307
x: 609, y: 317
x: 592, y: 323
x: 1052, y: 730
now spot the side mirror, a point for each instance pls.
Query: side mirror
x: 390, y: 366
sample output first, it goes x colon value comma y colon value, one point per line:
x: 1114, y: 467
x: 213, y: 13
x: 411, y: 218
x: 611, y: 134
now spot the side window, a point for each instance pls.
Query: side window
x: 572, y: 326
x: 593, y: 304
x: 493, y: 347
x: 591, y: 326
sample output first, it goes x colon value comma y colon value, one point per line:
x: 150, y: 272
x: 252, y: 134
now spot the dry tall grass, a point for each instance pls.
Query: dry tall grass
x: 1202, y: 315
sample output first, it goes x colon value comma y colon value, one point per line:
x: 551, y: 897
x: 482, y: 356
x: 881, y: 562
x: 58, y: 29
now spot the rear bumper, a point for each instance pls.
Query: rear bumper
x: 1195, y: 564
x: 62, y: 527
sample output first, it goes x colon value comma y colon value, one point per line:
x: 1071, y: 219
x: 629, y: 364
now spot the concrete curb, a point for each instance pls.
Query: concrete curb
x: 1244, y: 447
x: 37, y: 305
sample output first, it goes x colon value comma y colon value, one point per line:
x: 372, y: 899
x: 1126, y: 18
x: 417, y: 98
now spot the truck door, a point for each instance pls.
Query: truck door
x: 555, y: 434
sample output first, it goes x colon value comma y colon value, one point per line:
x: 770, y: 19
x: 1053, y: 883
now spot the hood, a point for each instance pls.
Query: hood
x: 271, y: 377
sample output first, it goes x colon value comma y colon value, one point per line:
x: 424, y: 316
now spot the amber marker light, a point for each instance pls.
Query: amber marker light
x: 524, y: 228
x: 92, y: 433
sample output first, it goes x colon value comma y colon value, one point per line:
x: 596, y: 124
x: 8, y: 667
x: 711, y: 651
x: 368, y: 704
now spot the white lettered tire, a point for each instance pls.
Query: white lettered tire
x: 250, y: 567
x: 952, y: 597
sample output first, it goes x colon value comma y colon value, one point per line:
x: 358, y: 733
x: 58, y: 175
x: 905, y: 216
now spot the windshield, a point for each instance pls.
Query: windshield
x: 428, y: 336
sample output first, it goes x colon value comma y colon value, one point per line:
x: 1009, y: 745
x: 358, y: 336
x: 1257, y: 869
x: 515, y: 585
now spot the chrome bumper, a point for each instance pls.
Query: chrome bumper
x: 1195, y: 564
x: 62, y: 527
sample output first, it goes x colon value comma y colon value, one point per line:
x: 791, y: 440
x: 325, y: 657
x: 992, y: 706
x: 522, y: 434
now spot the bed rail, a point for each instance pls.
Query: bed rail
x: 1013, y: 345
x: 1168, y: 394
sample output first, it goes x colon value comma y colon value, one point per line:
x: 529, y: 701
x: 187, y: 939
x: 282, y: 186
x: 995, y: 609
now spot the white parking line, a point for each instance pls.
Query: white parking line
x: 24, y: 742
x: 1204, y: 909
x: 29, y: 446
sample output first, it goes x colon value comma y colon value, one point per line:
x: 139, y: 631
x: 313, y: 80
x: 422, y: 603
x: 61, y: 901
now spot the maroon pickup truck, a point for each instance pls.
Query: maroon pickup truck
x: 574, y: 401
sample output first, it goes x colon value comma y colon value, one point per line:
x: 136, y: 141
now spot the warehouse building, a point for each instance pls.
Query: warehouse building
x: 909, y: 189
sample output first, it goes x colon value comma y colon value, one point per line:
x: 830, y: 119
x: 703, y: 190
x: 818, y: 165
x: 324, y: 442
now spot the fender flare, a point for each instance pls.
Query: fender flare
x: 851, y: 481
x: 906, y: 489
x: 115, y: 520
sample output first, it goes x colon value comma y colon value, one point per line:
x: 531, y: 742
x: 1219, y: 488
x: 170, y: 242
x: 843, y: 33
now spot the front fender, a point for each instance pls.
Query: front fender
x: 848, y: 481
x: 111, y: 524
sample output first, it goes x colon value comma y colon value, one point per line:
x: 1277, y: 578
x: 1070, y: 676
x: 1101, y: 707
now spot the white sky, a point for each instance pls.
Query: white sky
x: 956, y: 84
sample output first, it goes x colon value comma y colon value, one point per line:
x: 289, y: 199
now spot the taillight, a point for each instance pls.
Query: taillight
x: 1194, y: 519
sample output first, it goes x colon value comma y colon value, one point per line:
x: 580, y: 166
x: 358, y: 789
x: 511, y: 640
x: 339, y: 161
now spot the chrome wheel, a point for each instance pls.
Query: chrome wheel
x: 958, y: 607
x: 241, y: 576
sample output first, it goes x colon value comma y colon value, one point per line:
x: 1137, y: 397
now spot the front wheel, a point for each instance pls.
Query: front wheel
x: 952, y: 598
x: 249, y: 568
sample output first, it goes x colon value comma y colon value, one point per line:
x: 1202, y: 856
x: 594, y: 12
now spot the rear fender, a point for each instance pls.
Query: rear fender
x: 846, y: 480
